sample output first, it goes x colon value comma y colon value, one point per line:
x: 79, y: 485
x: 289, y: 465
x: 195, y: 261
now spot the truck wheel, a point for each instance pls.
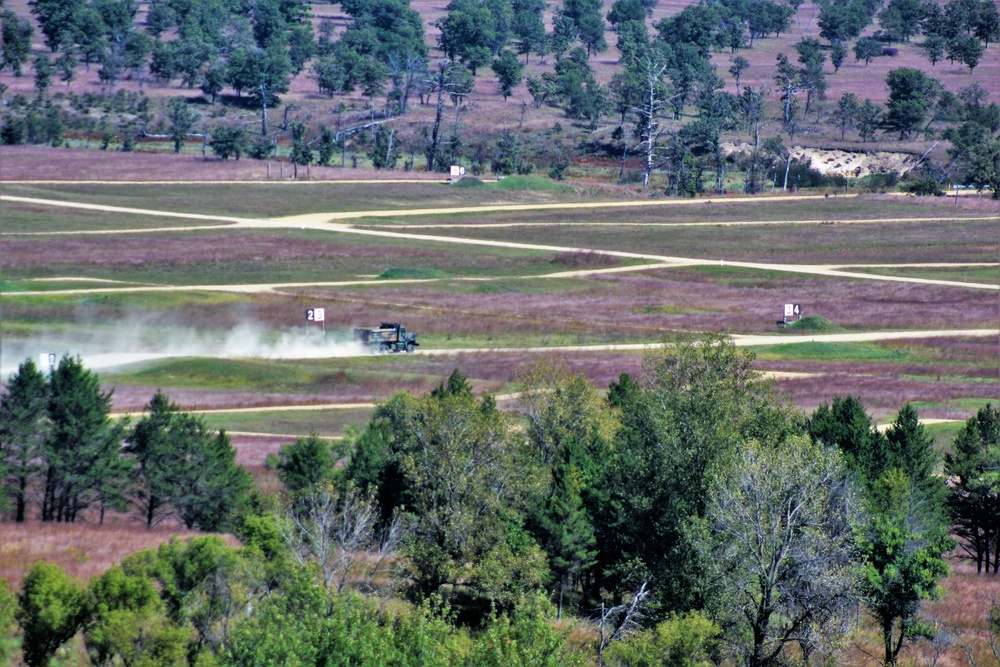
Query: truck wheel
x: 409, y: 348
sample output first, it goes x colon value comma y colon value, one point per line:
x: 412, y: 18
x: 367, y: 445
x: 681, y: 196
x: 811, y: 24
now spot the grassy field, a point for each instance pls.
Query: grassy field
x: 486, y: 297
x: 215, y: 257
x: 896, y: 242
x: 268, y: 200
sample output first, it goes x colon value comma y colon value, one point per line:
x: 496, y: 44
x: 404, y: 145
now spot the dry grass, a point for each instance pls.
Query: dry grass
x: 60, y: 164
x: 83, y: 549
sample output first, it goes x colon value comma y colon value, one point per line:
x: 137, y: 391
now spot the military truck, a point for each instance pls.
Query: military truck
x: 389, y: 337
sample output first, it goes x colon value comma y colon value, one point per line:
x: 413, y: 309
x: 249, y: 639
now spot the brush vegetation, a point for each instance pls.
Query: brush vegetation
x: 487, y: 532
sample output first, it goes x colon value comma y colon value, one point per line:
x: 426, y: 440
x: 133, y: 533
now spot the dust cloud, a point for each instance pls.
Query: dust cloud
x: 107, y: 345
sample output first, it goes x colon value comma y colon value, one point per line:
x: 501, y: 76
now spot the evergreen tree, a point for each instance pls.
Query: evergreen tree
x: 587, y: 16
x: 467, y: 33
x: 217, y: 487
x: 384, y: 28
x: 905, y: 533
x: 327, y: 145
x: 57, y: 18
x: 182, y: 119
x: 15, y: 41
x: 23, y: 429
x: 974, y: 498
x: 82, y: 452
x: 838, y: 53
x: 911, y: 94
x: 43, y: 74
x: 162, y: 444
x: 306, y: 463
x: 385, y: 149
x: 528, y: 28
x: 509, y: 72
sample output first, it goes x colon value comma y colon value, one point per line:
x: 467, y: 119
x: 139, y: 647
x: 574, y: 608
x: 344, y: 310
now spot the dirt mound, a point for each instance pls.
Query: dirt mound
x: 844, y: 163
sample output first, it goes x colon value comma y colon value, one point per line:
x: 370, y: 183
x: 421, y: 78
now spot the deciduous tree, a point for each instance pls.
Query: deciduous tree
x: 777, y: 540
x: 51, y: 608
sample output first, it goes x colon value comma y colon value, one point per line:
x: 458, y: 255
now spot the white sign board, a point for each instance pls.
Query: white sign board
x: 793, y: 310
x: 456, y: 171
x: 315, y: 314
x: 46, y: 362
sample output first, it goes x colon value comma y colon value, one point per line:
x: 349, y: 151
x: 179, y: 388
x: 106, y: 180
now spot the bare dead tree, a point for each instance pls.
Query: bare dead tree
x: 618, y: 622
x: 333, y: 530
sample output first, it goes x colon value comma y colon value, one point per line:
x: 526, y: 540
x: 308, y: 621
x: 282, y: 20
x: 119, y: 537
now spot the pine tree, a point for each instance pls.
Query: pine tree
x: 217, y: 487
x: 161, y: 443
x: 23, y: 428
x: 82, y: 453
x: 974, y: 498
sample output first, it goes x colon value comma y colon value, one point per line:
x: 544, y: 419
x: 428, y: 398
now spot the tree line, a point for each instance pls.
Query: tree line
x: 63, y: 457
x: 666, y: 97
x: 690, y: 509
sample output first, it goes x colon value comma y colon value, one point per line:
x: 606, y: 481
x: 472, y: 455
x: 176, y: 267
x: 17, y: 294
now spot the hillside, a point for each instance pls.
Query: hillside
x: 583, y: 119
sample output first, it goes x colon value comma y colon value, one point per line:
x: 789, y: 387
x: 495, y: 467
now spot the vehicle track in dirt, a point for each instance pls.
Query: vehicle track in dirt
x: 327, y: 222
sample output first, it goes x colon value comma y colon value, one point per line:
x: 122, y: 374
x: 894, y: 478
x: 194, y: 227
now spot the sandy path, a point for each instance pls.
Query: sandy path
x: 342, y: 181
x: 323, y: 222
x: 926, y: 422
x: 740, y: 340
x: 706, y: 223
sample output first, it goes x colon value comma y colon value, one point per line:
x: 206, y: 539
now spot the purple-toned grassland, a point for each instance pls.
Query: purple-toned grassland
x: 60, y: 164
x: 630, y: 306
x: 924, y: 241
x: 884, y: 394
x: 84, y: 549
x: 49, y: 254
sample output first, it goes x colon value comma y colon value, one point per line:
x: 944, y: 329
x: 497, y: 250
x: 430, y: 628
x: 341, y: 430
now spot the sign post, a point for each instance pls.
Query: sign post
x: 317, y: 315
x: 456, y: 173
x: 792, y: 310
x: 46, y: 363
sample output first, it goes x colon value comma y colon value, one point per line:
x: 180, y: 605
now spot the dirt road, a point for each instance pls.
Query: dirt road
x: 325, y: 222
x: 740, y: 340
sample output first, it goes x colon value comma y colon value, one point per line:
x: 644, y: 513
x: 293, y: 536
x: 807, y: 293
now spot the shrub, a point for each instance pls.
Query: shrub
x: 923, y: 187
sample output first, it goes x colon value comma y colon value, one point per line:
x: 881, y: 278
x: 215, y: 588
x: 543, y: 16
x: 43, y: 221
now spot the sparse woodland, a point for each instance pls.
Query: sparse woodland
x: 380, y: 85
x: 690, y: 516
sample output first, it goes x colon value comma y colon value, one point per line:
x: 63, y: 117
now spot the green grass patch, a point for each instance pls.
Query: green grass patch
x: 944, y: 435
x: 515, y: 184
x: 989, y: 275
x: 8, y: 286
x: 331, y: 376
x: 834, y: 352
x: 536, y: 183
x: 234, y: 375
x: 397, y: 273
x: 813, y: 323
x: 256, y: 199
x: 496, y: 288
x: 300, y: 423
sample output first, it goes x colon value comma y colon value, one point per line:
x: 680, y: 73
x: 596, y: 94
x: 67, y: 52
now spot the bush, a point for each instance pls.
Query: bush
x: 261, y: 149
x: 879, y: 182
x: 51, y: 609
x: 680, y: 641
x: 923, y: 187
x: 12, y: 131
